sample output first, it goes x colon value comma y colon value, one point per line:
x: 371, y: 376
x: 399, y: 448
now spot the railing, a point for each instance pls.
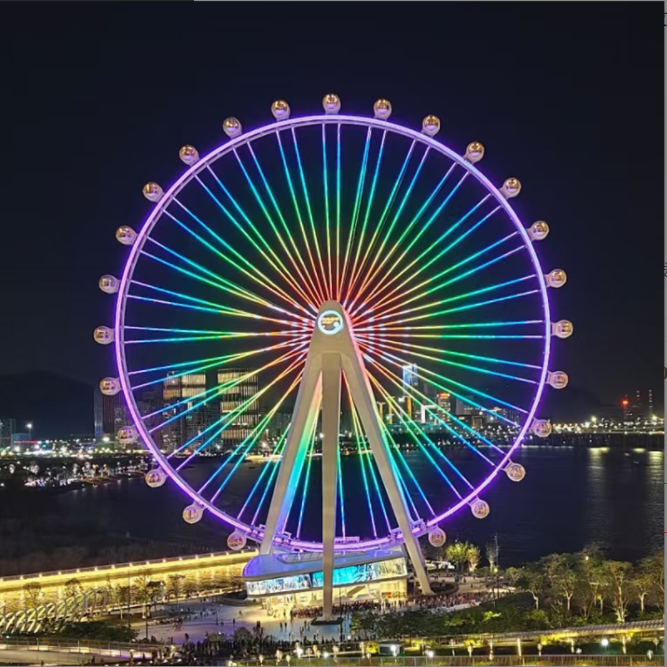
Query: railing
x: 474, y: 661
x: 93, y: 569
x: 65, y: 645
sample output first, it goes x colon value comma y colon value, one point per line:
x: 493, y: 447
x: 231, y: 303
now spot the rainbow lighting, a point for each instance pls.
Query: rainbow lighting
x: 322, y: 258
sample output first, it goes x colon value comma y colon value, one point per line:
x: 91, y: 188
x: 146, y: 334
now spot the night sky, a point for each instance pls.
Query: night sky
x: 568, y: 97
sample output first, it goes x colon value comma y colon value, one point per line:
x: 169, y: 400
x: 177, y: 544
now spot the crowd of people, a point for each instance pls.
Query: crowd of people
x: 446, y: 601
x: 339, y: 610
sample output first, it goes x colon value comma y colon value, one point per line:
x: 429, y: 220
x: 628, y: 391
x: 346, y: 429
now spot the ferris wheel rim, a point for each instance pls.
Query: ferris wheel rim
x: 255, y: 532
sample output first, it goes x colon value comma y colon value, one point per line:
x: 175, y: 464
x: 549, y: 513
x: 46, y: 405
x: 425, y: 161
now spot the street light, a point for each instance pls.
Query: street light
x: 29, y: 427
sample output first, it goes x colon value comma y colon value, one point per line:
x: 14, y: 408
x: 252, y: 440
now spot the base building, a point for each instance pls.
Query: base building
x: 285, y: 580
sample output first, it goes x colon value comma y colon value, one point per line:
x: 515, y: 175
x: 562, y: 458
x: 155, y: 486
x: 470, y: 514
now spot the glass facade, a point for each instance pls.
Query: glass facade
x: 345, y: 576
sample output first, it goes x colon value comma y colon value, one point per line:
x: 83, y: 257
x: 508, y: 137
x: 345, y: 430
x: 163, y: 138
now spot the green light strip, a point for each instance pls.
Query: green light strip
x: 297, y: 209
x: 357, y: 206
x: 271, y: 222
x: 313, y: 230
x: 354, y: 274
x: 310, y: 285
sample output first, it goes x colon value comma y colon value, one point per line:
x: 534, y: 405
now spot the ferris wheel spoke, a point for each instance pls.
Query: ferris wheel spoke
x: 217, y: 389
x: 327, y: 217
x: 215, y: 392
x: 399, y: 292
x: 414, y: 393
x: 400, y: 363
x: 370, y: 462
x: 407, y: 229
x: 415, y: 433
x: 297, y: 209
x: 239, y: 452
x: 354, y: 275
x: 361, y: 455
x: 447, y: 311
x: 212, y: 307
x: 338, y: 202
x: 385, y: 213
x: 466, y: 274
x: 306, y: 482
x: 276, y: 231
x: 268, y: 486
x: 401, y: 347
x: 253, y: 274
x: 380, y: 252
x: 355, y: 211
x: 341, y: 498
x: 277, y: 450
x: 411, y: 475
x: 228, y: 419
x: 209, y: 337
x: 267, y: 252
x: 210, y: 363
x: 218, y: 281
x: 408, y: 332
x: 305, y: 276
x: 421, y: 231
x: 423, y: 266
x: 244, y: 448
x: 270, y: 483
x: 313, y: 229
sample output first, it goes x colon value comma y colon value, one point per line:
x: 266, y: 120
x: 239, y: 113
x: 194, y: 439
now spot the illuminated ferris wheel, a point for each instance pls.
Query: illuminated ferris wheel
x: 361, y: 278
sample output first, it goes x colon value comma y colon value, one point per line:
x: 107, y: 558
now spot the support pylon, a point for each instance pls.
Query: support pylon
x: 333, y: 350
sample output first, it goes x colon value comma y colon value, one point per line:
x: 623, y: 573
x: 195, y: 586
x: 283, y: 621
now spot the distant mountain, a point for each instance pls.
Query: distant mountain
x: 57, y: 406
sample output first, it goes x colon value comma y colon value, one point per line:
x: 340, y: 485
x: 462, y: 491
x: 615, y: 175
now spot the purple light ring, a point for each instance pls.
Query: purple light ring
x: 219, y: 152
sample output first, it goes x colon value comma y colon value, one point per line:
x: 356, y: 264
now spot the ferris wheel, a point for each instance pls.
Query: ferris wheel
x: 363, y: 279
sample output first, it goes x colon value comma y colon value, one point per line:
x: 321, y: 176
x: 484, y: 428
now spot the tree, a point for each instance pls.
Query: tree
x: 532, y: 579
x: 176, y: 585
x: 33, y: 594
x: 73, y: 588
x: 642, y: 585
x: 559, y: 570
x: 653, y: 567
x: 619, y: 574
x: 473, y: 556
x: 457, y: 553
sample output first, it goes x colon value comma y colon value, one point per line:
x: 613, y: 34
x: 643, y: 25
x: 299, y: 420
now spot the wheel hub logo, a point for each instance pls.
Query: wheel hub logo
x: 330, y: 322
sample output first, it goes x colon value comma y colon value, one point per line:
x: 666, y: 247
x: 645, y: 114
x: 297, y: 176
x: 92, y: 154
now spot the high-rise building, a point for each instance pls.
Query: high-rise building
x: 444, y: 400
x: 110, y: 413
x: 240, y: 386
x: 463, y: 408
x: 177, y: 390
x: 410, y: 375
x: 412, y: 399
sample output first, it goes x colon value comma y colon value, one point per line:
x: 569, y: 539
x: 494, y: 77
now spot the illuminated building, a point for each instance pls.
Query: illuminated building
x: 283, y: 580
x: 240, y: 386
x: 411, y: 381
x: 444, y: 400
x: 174, y: 390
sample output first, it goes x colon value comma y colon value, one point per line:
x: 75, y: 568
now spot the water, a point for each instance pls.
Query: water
x: 570, y: 497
